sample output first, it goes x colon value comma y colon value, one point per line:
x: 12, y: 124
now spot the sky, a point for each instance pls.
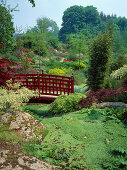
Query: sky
x: 27, y: 15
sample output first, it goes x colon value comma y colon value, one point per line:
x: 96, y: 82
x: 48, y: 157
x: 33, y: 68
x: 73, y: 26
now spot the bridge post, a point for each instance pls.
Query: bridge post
x: 38, y: 76
x: 72, y: 83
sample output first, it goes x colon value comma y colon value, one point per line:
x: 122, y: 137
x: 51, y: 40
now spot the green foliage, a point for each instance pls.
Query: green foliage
x: 57, y: 152
x: 80, y: 88
x: 62, y: 72
x: 73, y: 21
x: 9, y: 136
x: 121, y: 159
x: 13, y: 99
x: 35, y: 42
x: 6, y: 30
x: 76, y: 18
x: 41, y: 37
x: 99, y: 57
x: 78, y: 65
x: 92, y: 15
x: 85, y: 139
x: 32, y: 2
x: 79, y: 77
x: 120, y: 73
x: 113, y: 113
x: 77, y: 45
x: 64, y: 104
x: 47, y: 26
x: 122, y: 23
x: 37, y: 110
x: 118, y: 58
x: 53, y: 42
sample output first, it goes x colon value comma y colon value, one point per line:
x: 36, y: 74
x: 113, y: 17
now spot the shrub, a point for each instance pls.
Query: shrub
x: 64, y: 104
x: 79, y: 77
x: 13, y: 99
x: 58, y: 71
x: 78, y: 65
x: 111, y: 83
x: 104, y: 95
x: 80, y: 89
x: 120, y: 75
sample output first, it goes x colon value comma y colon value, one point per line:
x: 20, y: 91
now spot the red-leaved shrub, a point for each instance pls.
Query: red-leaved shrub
x: 104, y: 95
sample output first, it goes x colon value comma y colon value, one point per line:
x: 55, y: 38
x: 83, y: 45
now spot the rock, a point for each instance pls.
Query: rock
x: 4, y: 117
x: 9, y: 167
x: 24, y: 123
x: 2, y: 160
x: 21, y: 161
x: 110, y: 104
x: 37, y: 164
x: 13, y: 126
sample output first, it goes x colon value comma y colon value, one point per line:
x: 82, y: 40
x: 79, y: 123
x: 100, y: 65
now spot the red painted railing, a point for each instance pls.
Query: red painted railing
x: 49, y: 86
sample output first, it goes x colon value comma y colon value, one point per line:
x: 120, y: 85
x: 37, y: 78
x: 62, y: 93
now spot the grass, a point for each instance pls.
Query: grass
x: 1, y: 112
x: 39, y: 110
x: 10, y: 136
x: 85, y: 139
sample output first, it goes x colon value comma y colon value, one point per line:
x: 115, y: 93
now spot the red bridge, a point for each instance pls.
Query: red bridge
x: 49, y: 86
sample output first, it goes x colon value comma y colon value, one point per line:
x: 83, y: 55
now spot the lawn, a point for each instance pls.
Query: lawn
x: 85, y: 139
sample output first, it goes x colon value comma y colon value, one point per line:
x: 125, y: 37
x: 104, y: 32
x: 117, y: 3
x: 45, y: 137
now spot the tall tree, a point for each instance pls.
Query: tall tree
x: 42, y: 36
x: 73, y: 21
x: 46, y: 25
x: 6, y: 29
x: 77, y: 45
x: 122, y: 23
x: 99, y: 57
x: 77, y: 18
x: 92, y: 15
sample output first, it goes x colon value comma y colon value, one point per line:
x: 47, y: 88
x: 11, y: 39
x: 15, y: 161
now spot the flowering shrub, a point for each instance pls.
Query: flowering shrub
x: 58, y: 71
x: 13, y: 99
x: 33, y: 71
x: 27, y: 57
x: 1, y: 43
x: 104, y: 95
x: 78, y: 65
x: 67, y: 60
x: 7, y: 69
x: 29, y: 60
x: 120, y: 73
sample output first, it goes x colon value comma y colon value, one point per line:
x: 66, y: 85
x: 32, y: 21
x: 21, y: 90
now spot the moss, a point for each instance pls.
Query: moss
x: 11, y: 118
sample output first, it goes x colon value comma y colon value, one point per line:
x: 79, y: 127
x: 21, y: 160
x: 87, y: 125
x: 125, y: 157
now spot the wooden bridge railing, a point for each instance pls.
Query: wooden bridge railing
x: 49, y: 86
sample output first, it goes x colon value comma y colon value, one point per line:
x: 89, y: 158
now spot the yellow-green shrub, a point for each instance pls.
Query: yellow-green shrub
x: 64, y: 104
x: 78, y: 65
x: 13, y: 99
x: 58, y: 71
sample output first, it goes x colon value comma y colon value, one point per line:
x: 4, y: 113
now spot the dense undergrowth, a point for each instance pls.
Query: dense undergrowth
x: 84, y: 139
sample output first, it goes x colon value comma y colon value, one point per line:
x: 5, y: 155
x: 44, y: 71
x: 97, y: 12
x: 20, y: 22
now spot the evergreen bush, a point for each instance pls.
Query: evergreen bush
x: 64, y: 104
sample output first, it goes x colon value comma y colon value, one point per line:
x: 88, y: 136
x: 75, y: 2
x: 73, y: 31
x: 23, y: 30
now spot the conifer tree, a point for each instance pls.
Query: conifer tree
x: 99, y: 57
